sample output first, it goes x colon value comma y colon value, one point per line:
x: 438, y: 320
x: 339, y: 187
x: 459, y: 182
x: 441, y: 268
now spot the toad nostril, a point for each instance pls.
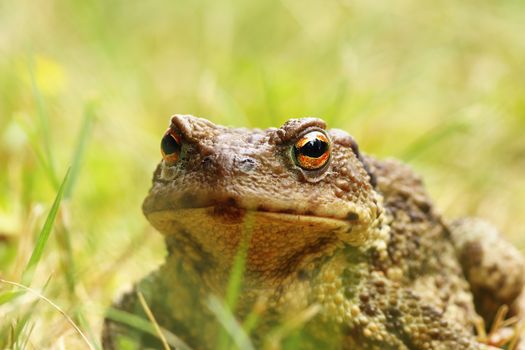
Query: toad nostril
x: 246, y: 164
x: 207, y: 162
x: 352, y: 216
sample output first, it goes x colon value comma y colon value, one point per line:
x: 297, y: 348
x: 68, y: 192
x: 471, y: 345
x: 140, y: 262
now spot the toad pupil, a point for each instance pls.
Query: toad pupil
x: 313, y: 149
x: 169, y: 145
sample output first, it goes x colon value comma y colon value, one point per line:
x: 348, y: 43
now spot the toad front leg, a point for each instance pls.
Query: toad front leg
x: 164, y: 292
x: 117, y: 335
x: 114, y: 333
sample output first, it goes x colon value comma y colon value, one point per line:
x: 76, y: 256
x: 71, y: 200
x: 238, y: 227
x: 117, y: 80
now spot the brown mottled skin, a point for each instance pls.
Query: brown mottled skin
x: 354, y: 250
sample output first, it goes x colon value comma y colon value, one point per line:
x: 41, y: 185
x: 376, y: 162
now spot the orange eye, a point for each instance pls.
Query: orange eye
x: 312, y: 151
x: 170, y: 147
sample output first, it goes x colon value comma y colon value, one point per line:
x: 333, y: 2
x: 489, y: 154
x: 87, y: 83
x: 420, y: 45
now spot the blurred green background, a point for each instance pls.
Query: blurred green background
x: 91, y: 84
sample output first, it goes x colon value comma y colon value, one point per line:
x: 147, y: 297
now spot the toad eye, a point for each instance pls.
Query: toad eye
x: 170, y: 147
x: 312, y: 150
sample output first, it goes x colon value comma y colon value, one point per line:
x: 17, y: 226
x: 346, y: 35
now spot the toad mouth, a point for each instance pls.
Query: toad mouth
x: 222, y: 210
x: 226, y: 222
x: 275, y: 226
x: 231, y: 211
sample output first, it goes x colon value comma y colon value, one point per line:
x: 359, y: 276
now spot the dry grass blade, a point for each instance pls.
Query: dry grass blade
x: 499, y: 318
x: 518, y: 331
x: 55, y: 306
x: 509, y: 322
x: 152, y: 319
x: 479, y: 325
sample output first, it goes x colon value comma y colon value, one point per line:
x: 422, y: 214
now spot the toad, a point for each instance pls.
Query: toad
x: 337, y: 249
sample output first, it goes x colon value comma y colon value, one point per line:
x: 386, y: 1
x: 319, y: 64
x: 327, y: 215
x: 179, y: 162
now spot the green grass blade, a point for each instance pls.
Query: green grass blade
x: 239, y: 264
x: 78, y: 154
x: 25, y: 341
x: 81, y: 320
x: 275, y: 337
x: 251, y: 320
x: 20, y: 335
x: 145, y: 326
x: 63, y: 233
x: 331, y: 112
x: 43, y: 236
x: 9, y: 295
x: 42, y: 160
x: 433, y: 137
x: 229, y: 323
x: 236, y: 277
x: 272, y: 101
